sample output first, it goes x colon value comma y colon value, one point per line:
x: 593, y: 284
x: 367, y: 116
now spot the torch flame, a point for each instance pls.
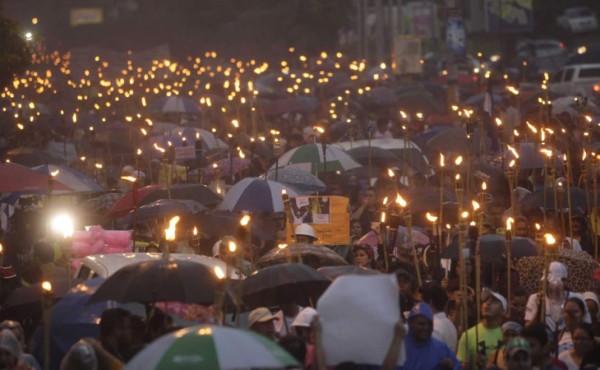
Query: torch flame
x: 195, y: 231
x: 245, y: 220
x: 584, y: 156
x: 382, y: 219
x: 458, y: 160
x: 219, y: 272
x: 442, y: 162
x: 430, y: 217
x: 509, y: 222
x: 170, y: 232
x: 513, y: 151
x: 401, y: 202
x: 385, y: 200
x: 282, y: 245
x: 475, y: 205
x: 390, y: 172
x: 550, y: 240
x: 484, y: 186
x: 538, y: 227
x: 531, y: 127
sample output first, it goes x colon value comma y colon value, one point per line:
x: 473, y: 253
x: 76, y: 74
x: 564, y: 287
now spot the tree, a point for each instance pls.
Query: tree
x: 14, y: 53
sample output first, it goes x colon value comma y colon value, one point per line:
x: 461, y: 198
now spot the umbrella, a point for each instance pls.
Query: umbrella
x: 191, y: 134
x: 333, y: 272
x: 427, y: 199
x: 14, y: 177
x: 491, y: 246
x: 580, y: 267
x: 379, y: 157
x: 197, y: 192
x: 477, y: 99
x: 167, y: 208
x: 33, y: 294
x: 218, y: 223
x: 226, y: 166
x: 74, y: 179
x: 274, y: 285
x: 129, y: 201
x: 310, y: 157
x: 174, y: 104
x: 454, y: 140
x: 160, y: 281
x: 30, y: 157
x: 102, y: 203
x: 73, y: 319
x: 419, y: 101
x: 382, y: 96
x: 298, y: 179
x: 530, y: 157
x: 326, y: 255
x: 300, y: 104
x: 211, y: 347
x: 255, y: 195
x: 535, y: 199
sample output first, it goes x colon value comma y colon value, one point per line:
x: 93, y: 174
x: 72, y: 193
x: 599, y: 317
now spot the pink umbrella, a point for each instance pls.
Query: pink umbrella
x: 14, y: 177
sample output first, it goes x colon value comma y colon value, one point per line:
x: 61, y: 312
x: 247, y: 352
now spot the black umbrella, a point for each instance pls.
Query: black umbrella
x: 165, y: 209
x: 198, y: 192
x: 325, y: 255
x: 160, y: 281
x: 379, y: 157
x: 31, y: 157
x: 492, y: 246
x: 535, y: 199
x: 283, y: 283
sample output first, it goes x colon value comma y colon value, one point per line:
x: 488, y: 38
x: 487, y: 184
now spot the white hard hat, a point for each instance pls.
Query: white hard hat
x: 305, y: 229
x: 305, y: 317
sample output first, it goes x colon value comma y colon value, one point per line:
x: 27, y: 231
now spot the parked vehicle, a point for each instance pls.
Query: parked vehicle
x: 578, y: 19
x: 104, y: 265
x: 542, y: 55
x: 576, y: 79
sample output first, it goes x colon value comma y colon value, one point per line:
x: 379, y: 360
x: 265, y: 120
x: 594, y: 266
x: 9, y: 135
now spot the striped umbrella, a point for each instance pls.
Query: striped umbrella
x: 211, y: 347
x: 175, y: 104
x: 74, y: 179
x: 310, y: 158
x: 255, y: 195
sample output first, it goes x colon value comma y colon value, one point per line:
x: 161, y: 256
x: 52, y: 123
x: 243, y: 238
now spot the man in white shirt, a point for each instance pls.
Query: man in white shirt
x: 443, y: 329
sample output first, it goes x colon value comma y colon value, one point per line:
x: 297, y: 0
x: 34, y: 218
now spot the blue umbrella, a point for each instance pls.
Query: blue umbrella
x: 174, y: 104
x: 74, y: 179
x: 72, y: 319
x: 255, y: 195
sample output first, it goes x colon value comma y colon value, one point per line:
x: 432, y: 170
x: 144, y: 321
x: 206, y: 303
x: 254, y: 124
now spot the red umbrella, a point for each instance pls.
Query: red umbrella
x: 14, y: 177
x: 126, y: 203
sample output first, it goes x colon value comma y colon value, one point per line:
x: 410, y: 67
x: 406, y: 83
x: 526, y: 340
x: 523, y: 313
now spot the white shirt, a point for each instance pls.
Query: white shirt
x: 444, y: 330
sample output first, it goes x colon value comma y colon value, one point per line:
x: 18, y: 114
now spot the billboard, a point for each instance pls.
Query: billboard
x: 328, y: 215
x: 406, y: 55
x: 83, y: 16
x: 509, y: 16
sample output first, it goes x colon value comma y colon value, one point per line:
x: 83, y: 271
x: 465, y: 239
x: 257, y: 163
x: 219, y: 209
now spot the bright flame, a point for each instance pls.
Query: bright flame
x: 282, y: 245
x: 531, y: 127
x: 382, y: 219
x: 245, y: 220
x: 54, y: 173
x: 430, y: 217
x: 170, y: 232
x: 63, y: 224
x: 538, y: 227
x: 195, y: 231
x: 232, y: 246
x: 550, y: 240
x: 129, y: 178
x: 475, y: 205
x: 512, y: 163
x: 390, y: 172
x: 385, y: 200
x: 404, y: 116
x: 484, y: 186
x: 584, y: 156
x: 219, y: 272
x: 464, y: 215
x: 442, y: 162
x: 513, y: 151
x: 401, y: 202
x: 509, y: 222
x: 47, y: 286
x: 458, y: 160
x: 498, y: 122
x: 546, y: 152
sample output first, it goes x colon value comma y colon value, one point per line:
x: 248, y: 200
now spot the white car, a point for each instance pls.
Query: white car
x: 578, y: 19
x: 104, y: 265
x: 576, y: 79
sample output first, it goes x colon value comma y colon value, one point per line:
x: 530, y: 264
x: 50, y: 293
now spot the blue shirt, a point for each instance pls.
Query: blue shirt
x: 427, y: 355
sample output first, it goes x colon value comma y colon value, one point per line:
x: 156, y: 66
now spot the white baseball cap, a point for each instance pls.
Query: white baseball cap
x: 305, y: 317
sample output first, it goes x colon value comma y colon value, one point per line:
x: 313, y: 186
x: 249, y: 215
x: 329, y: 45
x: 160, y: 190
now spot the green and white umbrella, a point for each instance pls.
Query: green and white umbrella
x: 311, y: 159
x: 211, y: 347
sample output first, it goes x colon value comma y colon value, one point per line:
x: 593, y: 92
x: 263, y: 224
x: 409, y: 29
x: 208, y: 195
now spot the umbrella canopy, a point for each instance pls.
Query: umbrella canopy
x: 477, y: 99
x: 418, y: 101
x: 197, y: 192
x: 129, y: 201
x: 454, y: 140
x: 580, y: 267
x: 382, y: 96
x: 326, y: 255
x: 300, y: 104
x: 167, y: 208
x: 255, y: 195
x: 310, y: 157
x: 160, y: 281
x: 535, y: 200
x: 34, y: 293
x: 14, y: 177
x: 569, y: 104
x: 211, y: 347
x: 30, y: 157
x: 225, y: 167
x: 191, y: 134
x: 333, y: 272
x: 530, y: 157
x: 298, y: 179
x: 492, y: 247
x: 379, y: 157
x: 174, y: 104
x: 74, y: 179
x: 282, y: 283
